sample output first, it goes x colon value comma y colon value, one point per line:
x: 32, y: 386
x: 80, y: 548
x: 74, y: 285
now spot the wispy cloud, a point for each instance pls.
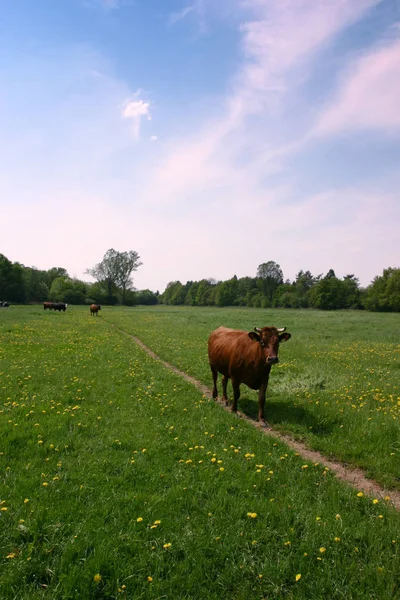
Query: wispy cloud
x: 180, y: 15
x: 280, y: 37
x: 369, y: 95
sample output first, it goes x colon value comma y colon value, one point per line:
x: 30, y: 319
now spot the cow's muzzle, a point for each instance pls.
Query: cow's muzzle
x: 272, y: 360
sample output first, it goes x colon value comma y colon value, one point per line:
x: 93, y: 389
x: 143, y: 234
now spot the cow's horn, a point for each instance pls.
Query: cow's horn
x: 257, y: 329
x: 280, y: 330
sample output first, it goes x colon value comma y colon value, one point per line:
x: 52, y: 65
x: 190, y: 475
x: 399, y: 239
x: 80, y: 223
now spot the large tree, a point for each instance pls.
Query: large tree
x: 269, y: 277
x: 127, y: 262
x: 115, y: 271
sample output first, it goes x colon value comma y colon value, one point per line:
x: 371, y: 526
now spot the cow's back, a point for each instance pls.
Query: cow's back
x: 223, y: 345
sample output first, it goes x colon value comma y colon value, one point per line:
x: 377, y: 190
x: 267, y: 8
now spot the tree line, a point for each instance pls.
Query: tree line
x: 113, y: 275
x: 269, y: 289
x: 114, y: 285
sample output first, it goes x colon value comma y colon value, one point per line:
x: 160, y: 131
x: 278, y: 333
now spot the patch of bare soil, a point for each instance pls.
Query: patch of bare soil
x: 353, y: 476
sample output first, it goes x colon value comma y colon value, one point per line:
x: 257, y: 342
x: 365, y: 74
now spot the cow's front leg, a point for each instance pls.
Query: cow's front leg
x: 236, y: 395
x: 225, y: 380
x: 261, y: 404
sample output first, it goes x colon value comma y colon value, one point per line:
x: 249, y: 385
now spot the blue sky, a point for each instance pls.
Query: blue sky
x: 209, y: 136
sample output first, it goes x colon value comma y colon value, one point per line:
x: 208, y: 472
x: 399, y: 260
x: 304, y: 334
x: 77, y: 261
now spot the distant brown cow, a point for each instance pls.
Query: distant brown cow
x: 244, y: 357
x: 48, y: 305
x: 94, y: 309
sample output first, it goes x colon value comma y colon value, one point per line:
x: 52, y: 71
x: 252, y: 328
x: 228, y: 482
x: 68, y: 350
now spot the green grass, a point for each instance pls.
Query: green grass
x: 336, y: 387
x: 146, y: 478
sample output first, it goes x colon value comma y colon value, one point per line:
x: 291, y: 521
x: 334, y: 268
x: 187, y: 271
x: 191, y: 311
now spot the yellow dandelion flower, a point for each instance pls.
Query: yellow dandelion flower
x: 252, y: 515
x: 26, y: 500
x: 157, y: 522
x: 11, y: 555
x: 4, y: 508
x: 139, y: 519
x: 150, y: 579
x: 337, y: 539
x: 97, y: 578
x: 360, y: 494
x: 322, y: 550
x: 298, y: 576
x: 375, y: 501
x: 166, y: 546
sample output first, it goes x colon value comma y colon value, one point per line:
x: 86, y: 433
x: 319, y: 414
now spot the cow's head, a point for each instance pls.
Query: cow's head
x: 269, y: 339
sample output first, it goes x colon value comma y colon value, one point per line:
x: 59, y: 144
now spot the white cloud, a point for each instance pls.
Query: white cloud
x: 136, y: 110
x: 369, y: 95
x: 153, y: 138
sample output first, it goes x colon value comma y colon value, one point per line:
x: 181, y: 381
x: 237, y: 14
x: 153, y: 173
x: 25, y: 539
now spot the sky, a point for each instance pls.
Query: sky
x: 210, y: 136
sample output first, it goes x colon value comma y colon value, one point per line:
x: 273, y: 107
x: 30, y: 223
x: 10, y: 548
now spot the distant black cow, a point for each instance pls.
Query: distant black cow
x: 94, y: 309
x: 60, y: 306
x: 4, y: 304
x: 55, y: 306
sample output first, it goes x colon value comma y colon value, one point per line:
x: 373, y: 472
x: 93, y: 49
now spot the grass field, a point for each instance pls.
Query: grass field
x: 120, y: 480
x: 337, y: 386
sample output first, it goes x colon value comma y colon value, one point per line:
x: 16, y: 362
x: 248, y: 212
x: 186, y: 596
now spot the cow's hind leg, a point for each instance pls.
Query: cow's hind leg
x: 236, y: 394
x: 215, y: 377
x: 225, y: 380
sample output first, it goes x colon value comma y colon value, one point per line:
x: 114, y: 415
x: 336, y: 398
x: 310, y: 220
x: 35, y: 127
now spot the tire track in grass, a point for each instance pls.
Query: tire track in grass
x: 351, y: 475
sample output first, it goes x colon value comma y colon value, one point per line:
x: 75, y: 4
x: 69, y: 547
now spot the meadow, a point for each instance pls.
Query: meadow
x: 337, y: 387
x: 119, y: 479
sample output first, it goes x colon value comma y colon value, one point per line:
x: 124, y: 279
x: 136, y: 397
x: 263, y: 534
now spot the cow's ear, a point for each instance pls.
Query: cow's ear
x: 254, y: 336
x: 284, y: 337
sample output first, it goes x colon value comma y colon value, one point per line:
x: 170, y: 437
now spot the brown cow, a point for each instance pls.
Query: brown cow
x: 94, y: 309
x: 48, y: 305
x: 244, y: 357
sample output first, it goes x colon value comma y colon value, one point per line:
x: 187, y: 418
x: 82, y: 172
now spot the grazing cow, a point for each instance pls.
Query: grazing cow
x: 244, y: 357
x: 55, y: 306
x: 4, y: 304
x: 60, y: 306
x: 94, y: 309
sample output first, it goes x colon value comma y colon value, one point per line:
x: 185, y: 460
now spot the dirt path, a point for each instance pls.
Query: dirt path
x: 353, y: 476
